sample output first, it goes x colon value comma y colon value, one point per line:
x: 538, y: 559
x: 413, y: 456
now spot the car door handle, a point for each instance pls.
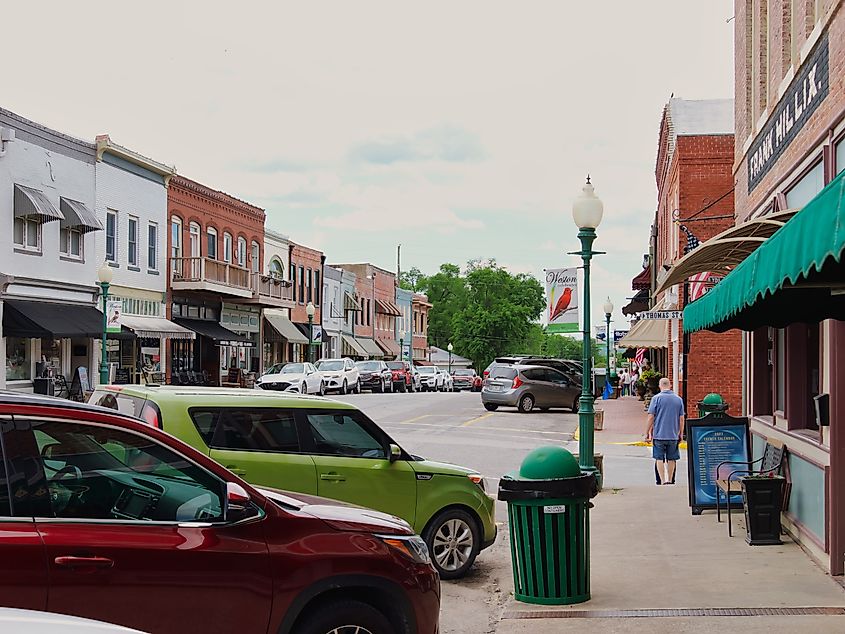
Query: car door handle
x: 333, y: 477
x: 234, y: 469
x: 69, y: 561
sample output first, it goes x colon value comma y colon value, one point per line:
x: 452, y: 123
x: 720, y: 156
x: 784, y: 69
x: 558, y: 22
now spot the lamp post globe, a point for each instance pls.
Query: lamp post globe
x: 310, y: 311
x: 104, y: 277
x: 587, y: 212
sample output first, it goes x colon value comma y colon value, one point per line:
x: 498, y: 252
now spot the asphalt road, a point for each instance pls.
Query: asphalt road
x: 455, y: 428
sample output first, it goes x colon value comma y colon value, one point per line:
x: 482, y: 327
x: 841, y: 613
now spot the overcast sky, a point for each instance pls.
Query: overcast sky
x: 459, y: 129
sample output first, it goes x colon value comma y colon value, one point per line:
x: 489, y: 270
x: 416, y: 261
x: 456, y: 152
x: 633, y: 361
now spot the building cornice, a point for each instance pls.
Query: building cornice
x: 105, y: 144
x: 198, y: 189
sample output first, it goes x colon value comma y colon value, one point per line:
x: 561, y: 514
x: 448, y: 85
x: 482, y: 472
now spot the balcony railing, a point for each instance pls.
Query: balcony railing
x: 205, y: 270
x: 273, y: 288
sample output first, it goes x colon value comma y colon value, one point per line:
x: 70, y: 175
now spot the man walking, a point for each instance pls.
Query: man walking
x: 665, y: 429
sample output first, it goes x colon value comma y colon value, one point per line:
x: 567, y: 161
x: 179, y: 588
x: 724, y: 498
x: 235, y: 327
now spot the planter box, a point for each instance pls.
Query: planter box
x: 762, y: 498
x: 598, y: 420
x: 598, y: 460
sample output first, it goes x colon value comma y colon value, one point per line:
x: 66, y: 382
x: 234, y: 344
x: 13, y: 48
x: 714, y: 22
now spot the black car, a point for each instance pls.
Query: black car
x: 375, y: 376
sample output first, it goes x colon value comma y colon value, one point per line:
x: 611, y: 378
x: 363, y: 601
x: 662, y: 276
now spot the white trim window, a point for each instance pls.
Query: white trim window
x: 72, y: 242
x: 242, y: 252
x: 256, y: 255
x: 175, y: 237
x: 194, y: 240
x: 152, y: 247
x: 28, y: 234
x: 227, y: 248
x: 132, y: 241
x: 211, y: 247
x: 277, y: 269
x: 111, y: 236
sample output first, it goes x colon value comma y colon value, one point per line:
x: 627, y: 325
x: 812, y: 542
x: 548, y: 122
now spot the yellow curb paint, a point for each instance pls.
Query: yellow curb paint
x: 411, y: 420
x: 478, y: 418
x: 643, y: 443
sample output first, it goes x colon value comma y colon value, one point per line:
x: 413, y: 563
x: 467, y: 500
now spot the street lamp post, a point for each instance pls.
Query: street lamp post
x: 450, y: 347
x: 310, y: 310
x: 608, y: 312
x: 587, y: 212
x: 104, y: 276
x: 401, y: 345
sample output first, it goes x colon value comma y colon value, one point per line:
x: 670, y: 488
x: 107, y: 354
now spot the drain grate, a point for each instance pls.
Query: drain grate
x: 658, y: 613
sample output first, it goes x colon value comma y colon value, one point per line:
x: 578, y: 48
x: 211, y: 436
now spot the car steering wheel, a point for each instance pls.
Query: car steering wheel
x: 67, y: 470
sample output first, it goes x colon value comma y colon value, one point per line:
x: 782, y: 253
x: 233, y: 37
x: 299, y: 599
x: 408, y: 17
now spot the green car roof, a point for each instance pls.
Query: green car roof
x: 224, y: 395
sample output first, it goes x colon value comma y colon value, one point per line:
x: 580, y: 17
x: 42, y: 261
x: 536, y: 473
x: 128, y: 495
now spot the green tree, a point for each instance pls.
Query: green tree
x: 413, y: 280
x: 446, y: 290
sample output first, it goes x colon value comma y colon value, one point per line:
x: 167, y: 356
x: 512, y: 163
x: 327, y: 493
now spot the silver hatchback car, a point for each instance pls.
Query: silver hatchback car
x: 527, y: 387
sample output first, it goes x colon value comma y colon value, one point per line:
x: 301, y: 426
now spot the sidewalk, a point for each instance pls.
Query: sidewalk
x: 650, y: 553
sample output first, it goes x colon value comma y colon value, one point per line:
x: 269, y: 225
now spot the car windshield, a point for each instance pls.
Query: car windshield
x: 329, y: 366
x: 368, y: 365
x: 502, y: 372
x: 427, y: 369
x: 396, y: 365
x: 293, y: 368
x: 463, y: 372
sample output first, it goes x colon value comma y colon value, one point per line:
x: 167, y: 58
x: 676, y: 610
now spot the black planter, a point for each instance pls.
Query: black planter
x: 762, y: 498
x: 654, y: 385
x: 641, y: 389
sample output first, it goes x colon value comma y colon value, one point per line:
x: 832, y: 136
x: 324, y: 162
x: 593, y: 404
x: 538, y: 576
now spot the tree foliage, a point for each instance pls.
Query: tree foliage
x: 413, y: 280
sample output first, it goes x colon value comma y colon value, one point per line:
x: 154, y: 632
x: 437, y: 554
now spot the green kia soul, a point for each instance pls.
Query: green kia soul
x: 326, y: 448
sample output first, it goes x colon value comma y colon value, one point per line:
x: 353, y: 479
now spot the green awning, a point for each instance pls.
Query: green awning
x: 797, y: 275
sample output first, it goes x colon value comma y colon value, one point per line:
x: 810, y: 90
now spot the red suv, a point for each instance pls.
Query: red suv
x: 401, y: 373
x: 105, y: 517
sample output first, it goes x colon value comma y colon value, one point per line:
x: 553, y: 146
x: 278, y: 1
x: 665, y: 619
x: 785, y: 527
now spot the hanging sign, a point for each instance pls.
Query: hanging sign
x: 114, y: 315
x: 562, y: 300
x: 799, y: 102
x: 662, y: 314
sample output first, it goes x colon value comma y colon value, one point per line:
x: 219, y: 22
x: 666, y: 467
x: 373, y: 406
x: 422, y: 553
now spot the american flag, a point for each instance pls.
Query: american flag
x: 640, y: 356
x: 698, y: 282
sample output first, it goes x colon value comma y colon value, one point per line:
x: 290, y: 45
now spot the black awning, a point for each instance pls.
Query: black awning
x: 29, y: 318
x: 218, y: 334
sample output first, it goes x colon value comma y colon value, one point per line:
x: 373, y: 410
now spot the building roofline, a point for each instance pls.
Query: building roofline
x: 105, y: 144
x: 215, y: 194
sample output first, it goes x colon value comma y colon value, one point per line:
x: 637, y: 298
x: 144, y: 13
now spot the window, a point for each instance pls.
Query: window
x: 255, y: 257
x: 152, y: 246
x: 126, y: 476
x: 18, y: 364
x: 310, y: 284
x: 211, y: 249
x: 71, y: 242
x: 28, y: 234
x: 242, y: 252
x: 111, y: 236
x: 780, y: 369
x: 277, y: 270
x: 840, y: 156
x: 227, y: 247
x: 806, y: 189
x: 301, y: 284
x: 175, y: 237
x: 132, y: 241
x: 194, y: 240
x: 270, y: 430
x: 317, y: 288
x: 337, y: 434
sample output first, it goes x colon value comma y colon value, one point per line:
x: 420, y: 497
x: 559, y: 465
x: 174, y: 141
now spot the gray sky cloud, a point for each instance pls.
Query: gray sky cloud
x: 445, y: 143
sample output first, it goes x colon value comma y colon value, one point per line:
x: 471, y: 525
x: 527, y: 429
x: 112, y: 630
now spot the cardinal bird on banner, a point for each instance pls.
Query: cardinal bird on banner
x: 698, y: 282
x: 562, y: 300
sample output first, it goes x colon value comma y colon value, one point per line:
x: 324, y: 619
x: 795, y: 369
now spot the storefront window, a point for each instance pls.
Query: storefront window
x: 18, y: 364
x: 51, y: 354
x: 780, y: 370
x: 150, y: 354
x: 806, y: 189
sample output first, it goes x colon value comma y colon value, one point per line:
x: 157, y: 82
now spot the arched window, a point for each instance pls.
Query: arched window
x: 211, y: 250
x: 255, y: 255
x: 194, y: 240
x: 175, y: 237
x: 277, y: 269
x: 242, y: 252
x: 227, y: 247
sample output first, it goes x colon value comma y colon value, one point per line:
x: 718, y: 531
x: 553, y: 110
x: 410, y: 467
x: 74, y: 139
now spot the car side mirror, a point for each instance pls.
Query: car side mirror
x: 239, y: 505
x: 395, y: 452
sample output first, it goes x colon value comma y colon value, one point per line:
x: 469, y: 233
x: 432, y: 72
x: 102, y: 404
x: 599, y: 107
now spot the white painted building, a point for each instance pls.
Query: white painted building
x: 48, y: 254
x: 333, y: 311
x: 278, y: 331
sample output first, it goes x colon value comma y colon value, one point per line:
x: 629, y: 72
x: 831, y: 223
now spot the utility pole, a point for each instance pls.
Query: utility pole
x: 399, y: 265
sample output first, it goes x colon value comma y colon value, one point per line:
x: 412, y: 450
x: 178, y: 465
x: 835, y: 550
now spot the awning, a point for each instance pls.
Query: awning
x: 218, y: 334
x: 797, y: 275
x: 155, y: 327
x: 351, y: 348
x: 31, y: 203
x: 27, y: 318
x: 78, y: 216
x: 647, y: 333
x: 724, y: 251
x: 350, y: 302
x: 390, y: 347
x: 638, y: 303
x: 642, y: 280
x: 285, y: 327
x: 370, y: 347
x: 387, y: 308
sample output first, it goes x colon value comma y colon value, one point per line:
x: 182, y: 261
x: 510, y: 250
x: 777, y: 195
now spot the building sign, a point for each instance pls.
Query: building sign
x: 712, y: 440
x: 662, y: 314
x: 562, y: 300
x: 114, y: 313
x: 804, y: 95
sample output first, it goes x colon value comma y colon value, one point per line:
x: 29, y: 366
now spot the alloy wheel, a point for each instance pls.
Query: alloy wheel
x: 349, y: 629
x: 452, y: 544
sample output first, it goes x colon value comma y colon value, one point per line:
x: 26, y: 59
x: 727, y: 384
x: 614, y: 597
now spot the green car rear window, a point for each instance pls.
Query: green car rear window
x: 253, y: 429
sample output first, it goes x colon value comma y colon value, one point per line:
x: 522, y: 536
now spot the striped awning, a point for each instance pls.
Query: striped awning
x: 350, y: 302
x: 155, y: 327
x: 647, y: 333
x: 390, y: 347
x: 78, y: 216
x: 33, y: 203
x: 387, y: 308
x: 370, y: 347
x: 351, y: 348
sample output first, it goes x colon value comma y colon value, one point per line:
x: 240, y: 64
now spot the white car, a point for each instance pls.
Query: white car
x: 293, y: 377
x: 340, y: 375
x: 15, y: 621
x: 431, y: 378
x: 448, y: 381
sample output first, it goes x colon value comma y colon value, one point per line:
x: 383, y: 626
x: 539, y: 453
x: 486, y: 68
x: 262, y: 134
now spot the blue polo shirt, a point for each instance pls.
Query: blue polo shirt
x: 667, y: 408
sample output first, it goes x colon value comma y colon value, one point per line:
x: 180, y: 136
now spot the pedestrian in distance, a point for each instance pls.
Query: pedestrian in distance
x: 623, y: 381
x: 665, y: 430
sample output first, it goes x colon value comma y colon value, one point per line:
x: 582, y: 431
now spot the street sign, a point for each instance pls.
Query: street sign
x: 662, y: 314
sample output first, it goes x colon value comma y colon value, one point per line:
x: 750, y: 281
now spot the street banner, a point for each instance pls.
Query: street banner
x: 114, y: 314
x: 562, y: 300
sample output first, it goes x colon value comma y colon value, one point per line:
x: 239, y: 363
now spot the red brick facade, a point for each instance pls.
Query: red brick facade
x: 420, y: 308
x: 306, y: 275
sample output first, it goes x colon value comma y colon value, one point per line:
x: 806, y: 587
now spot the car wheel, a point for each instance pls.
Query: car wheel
x: 345, y: 616
x: 322, y: 389
x: 303, y: 389
x: 343, y: 388
x: 491, y: 407
x: 453, y: 540
x: 526, y: 403
x: 379, y: 388
x: 403, y: 388
x: 576, y: 404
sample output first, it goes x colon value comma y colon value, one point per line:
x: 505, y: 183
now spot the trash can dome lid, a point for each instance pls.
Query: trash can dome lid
x: 548, y: 463
x: 713, y: 399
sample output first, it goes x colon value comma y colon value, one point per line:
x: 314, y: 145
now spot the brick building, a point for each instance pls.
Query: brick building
x: 420, y: 307
x: 306, y: 276
x: 784, y: 293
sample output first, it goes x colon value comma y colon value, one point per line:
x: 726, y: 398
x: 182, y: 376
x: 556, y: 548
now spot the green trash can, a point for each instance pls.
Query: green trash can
x: 711, y: 403
x: 549, y: 517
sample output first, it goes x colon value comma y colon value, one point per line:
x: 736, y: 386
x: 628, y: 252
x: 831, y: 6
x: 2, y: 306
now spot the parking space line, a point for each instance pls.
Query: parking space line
x: 472, y: 421
x: 411, y: 420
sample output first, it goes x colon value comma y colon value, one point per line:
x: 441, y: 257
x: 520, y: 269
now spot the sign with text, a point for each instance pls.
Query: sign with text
x: 114, y: 314
x: 799, y: 102
x: 562, y: 300
x: 712, y: 440
x: 662, y: 314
